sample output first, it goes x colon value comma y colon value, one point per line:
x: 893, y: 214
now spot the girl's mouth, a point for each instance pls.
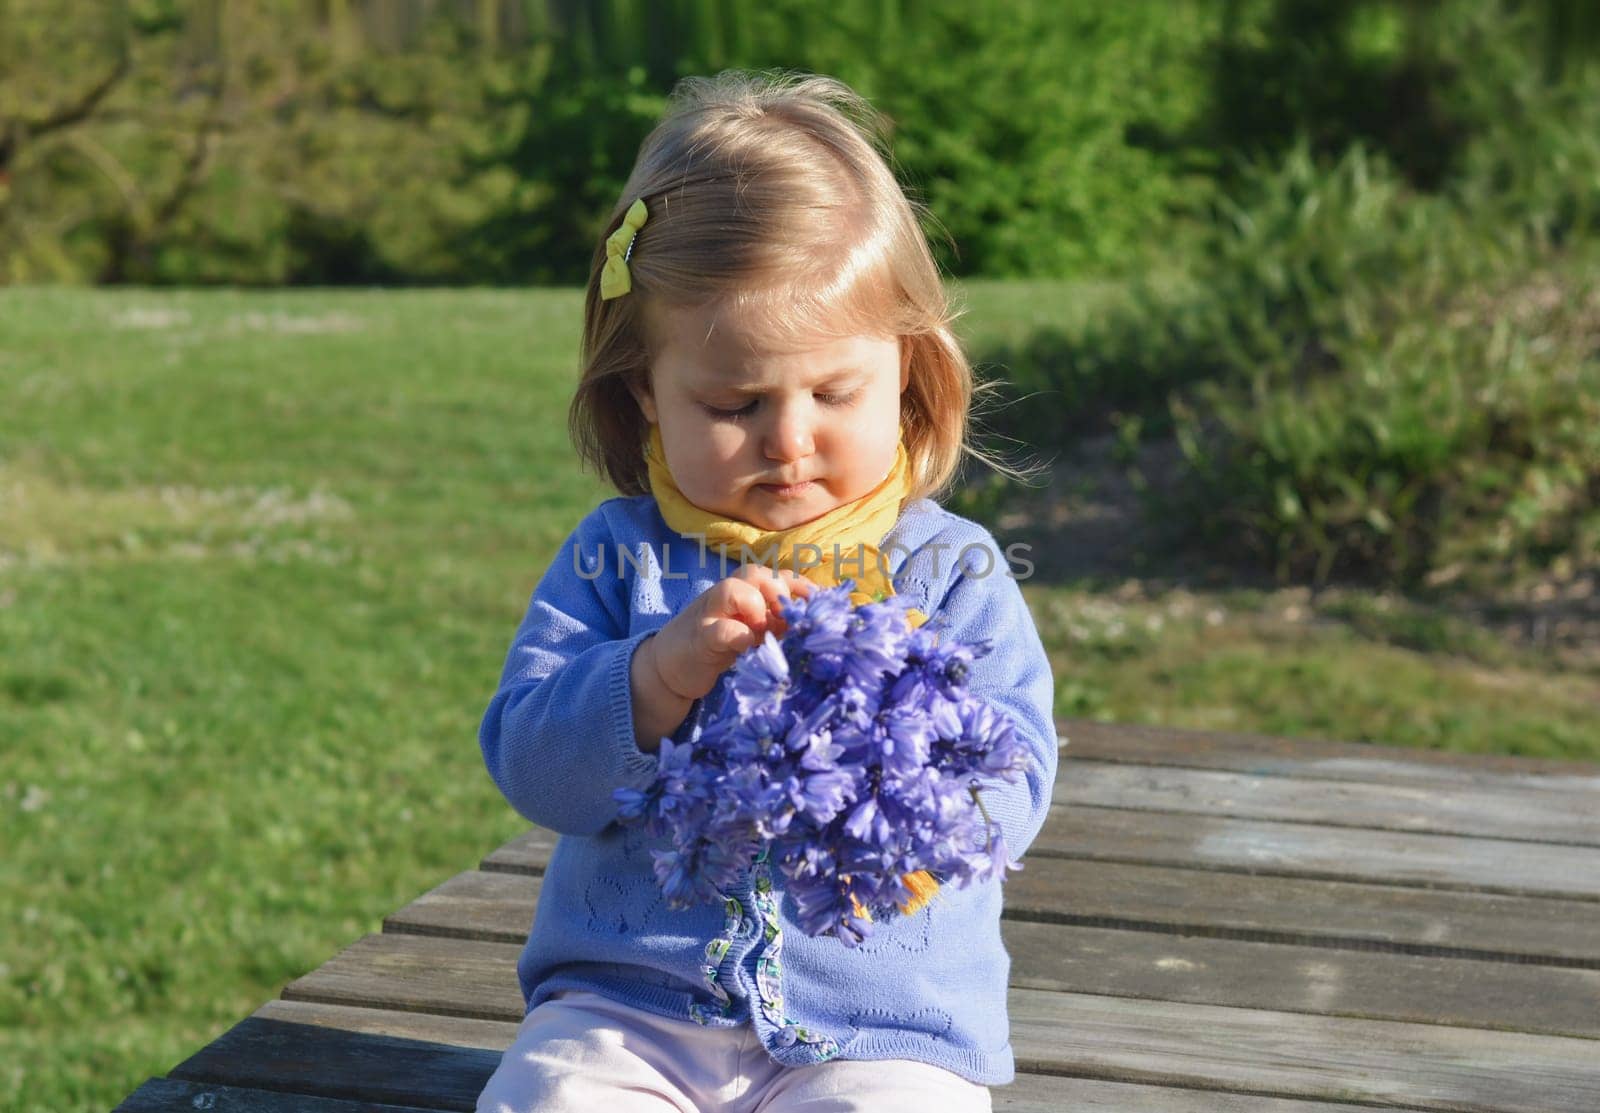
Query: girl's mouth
x: 789, y: 491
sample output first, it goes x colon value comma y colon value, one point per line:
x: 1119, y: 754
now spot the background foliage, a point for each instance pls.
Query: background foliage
x: 443, y: 142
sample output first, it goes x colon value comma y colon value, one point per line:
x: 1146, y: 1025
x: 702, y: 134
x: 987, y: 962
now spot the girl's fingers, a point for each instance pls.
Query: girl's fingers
x: 772, y: 585
x: 729, y: 635
x: 759, y: 574
x: 783, y: 581
x: 798, y: 584
x: 753, y: 599
x: 747, y: 603
x: 795, y: 587
x: 775, y: 591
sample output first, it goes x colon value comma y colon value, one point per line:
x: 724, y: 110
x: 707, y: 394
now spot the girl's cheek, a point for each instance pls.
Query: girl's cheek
x: 864, y: 428
x: 724, y: 443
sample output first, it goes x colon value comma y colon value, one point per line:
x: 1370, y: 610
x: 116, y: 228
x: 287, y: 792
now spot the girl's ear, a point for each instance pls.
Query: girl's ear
x: 905, y: 364
x: 640, y: 389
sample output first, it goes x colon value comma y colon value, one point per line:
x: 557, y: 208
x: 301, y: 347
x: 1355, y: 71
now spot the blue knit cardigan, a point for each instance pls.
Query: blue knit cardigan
x: 558, y: 738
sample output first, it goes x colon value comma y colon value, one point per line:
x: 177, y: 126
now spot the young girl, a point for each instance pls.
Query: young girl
x: 771, y: 380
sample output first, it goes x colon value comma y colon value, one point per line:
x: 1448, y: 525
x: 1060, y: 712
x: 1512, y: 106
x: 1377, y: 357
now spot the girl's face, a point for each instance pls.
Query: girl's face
x: 771, y: 437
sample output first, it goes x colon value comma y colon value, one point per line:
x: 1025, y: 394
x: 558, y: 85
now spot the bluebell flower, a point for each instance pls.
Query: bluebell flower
x: 806, y: 730
x: 991, y: 861
x: 698, y: 873
x: 827, y: 907
x: 866, y: 822
x: 821, y: 796
x: 854, y: 750
x: 682, y: 785
x: 903, y: 738
x: 806, y: 860
x: 992, y: 736
x: 760, y: 676
x: 944, y: 716
x: 949, y: 664
x: 821, y: 752
x: 746, y: 794
x: 636, y: 805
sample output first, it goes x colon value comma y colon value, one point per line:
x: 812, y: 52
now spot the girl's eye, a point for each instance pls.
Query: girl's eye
x: 750, y: 407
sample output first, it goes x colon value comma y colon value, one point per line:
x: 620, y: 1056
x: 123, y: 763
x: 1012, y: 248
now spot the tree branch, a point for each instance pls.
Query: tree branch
x: 194, y: 167
x: 74, y: 113
x: 112, y: 169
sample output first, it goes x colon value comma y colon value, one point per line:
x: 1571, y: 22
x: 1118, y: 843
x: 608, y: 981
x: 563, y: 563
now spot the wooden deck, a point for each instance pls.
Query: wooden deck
x: 1208, y: 923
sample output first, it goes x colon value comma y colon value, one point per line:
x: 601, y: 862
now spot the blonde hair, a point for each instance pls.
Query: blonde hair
x: 771, y: 194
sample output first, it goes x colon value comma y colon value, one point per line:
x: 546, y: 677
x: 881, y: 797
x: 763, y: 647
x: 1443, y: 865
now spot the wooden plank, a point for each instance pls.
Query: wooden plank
x: 1084, y: 1095
x: 529, y: 852
x: 319, y: 1049
x: 1424, y: 989
x: 1165, y: 966
x: 1571, y: 818
x: 498, y: 907
x: 492, y: 907
x: 1041, y: 1093
x: 418, y: 973
x: 171, y: 1095
x: 1264, y: 1052
x: 355, y: 1054
x: 1268, y: 848
x: 490, y: 1037
x: 1426, y: 1066
x: 1341, y: 914
x: 1318, y: 851
x: 1275, y: 755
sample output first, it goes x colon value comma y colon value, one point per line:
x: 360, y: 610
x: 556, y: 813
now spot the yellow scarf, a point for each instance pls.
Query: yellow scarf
x: 845, y: 539
x: 855, y: 528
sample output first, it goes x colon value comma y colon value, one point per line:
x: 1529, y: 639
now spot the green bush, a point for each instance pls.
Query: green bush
x: 1026, y: 163
x: 1272, y: 279
x: 1409, y: 382
x: 1405, y: 393
x: 1364, y: 380
x: 1448, y: 448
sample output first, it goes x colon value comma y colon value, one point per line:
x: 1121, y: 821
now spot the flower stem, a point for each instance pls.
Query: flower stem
x: 988, y: 824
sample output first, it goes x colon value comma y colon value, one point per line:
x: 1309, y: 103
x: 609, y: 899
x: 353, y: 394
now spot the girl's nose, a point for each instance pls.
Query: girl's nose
x: 789, y: 437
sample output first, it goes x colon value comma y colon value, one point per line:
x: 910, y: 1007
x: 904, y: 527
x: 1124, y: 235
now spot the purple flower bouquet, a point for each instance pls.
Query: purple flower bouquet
x: 852, y: 752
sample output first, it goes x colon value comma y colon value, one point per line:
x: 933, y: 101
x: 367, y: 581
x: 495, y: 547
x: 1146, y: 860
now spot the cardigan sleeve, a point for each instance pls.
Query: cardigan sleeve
x: 558, y: 736
x: 983, y: 603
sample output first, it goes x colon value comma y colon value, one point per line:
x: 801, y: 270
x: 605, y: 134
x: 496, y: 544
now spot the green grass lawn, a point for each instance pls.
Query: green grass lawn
x: 261, y: 555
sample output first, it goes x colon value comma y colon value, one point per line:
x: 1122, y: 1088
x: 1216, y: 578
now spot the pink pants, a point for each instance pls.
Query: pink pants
x: 579, y: 1052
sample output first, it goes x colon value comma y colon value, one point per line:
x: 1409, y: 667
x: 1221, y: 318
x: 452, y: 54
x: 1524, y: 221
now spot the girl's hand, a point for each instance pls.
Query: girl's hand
x: 705, y: 638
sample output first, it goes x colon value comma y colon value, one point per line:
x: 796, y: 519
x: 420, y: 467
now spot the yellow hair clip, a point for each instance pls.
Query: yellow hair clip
x: 614, y: 279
